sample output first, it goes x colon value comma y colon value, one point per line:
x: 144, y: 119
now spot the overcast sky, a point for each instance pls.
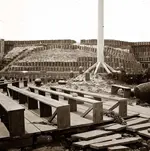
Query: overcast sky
x: 127, y: 20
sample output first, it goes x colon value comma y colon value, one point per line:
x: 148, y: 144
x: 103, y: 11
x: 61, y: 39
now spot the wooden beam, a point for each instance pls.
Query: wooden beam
x: 22, y: 99
x: 87, y: 111
x: 98, y: 112
x: 53, y: 116
x: 32, y: 103
x: 42, y: 93
x: 73, y: 105
x: 63, y: 117
x: 45, y: 110
x: 124, y: 141
x: 123, y: 108
x: 114, y: 106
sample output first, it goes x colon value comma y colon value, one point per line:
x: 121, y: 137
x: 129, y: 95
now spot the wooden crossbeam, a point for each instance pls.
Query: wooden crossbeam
x: 53, y: 116
x: 87, y: 111
x: 114, y: 106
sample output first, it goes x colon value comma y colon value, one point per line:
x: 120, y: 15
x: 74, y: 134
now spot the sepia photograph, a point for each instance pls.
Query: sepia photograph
x: 74, y: 75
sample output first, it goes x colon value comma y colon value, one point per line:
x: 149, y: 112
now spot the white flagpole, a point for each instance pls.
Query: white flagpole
x: 100, y: 40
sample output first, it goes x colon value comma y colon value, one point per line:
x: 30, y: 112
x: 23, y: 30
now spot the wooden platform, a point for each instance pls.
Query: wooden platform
x: 104, y: 135
x: 35, y: 124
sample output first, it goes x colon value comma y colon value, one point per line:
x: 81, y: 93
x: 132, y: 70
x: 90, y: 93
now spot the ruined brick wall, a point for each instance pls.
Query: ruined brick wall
x: 112, y: 43
x: 38, y: 42
x: 1, y: 48
x: 142, y: 53
x: 9, y: 45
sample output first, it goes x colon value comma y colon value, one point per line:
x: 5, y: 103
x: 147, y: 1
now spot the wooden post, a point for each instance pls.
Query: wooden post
x: 53, y: 89
x: 22, y: 99
x: 25, y: 82
x: 16, y: 84
x: 55, y: 97
x: 81, y: 95
x: 5, y: 87
x: 32, y: 103
x: 63, y: 117
x: 123, y: 108
x: 98, y: 112
x: 16, y: 123
x: 32, y: 90
x: 15, y: 95
x: 73, y: 105
x: 45, y: 110
x: 41, y: 92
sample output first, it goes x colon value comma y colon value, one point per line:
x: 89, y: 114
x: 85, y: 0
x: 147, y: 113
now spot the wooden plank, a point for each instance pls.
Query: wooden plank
x: 9, y: 104
x: 69, y: 96
x: 137, y: 121
x: 105, y: 126
x: 115, y: 142
x: 97, y: 95
x: 77, y: 121
x: 45, y: 127
x: 91, y: 134
x: 84, y: 144
x: 116, y: 127
x: 31, y: 129
x: 32, y: 117
x: 37, y: 122
x: 37, y: 97
x: 138, y: 127
x: 144, y: 133
x: 4, y: 133
x: 121, y: 86
x: 118, y: 148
